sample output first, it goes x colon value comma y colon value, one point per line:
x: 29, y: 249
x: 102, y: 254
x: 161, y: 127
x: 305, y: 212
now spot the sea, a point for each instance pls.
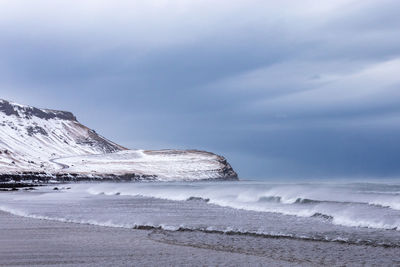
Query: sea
x: 350, y: 213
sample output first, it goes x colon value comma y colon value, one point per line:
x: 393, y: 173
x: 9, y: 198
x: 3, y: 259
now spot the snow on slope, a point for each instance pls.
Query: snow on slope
x: 30, y: 137
x: 54, y: 142
x: 163, y: 164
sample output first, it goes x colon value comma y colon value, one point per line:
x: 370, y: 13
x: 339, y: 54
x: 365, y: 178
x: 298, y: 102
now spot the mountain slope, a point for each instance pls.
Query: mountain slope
x: 29, y: 137
x: 50, y: 143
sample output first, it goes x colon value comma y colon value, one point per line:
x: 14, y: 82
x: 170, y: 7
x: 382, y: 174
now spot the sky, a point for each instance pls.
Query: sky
x: 282, y: 89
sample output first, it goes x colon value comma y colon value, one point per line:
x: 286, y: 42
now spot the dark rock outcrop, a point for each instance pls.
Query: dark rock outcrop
x: 29, y: 112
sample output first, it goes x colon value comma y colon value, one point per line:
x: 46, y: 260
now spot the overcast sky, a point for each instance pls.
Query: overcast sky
x: 282, y: 89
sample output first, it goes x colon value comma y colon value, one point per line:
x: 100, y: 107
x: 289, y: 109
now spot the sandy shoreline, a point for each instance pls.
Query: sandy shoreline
x: 33, y: 242
x: 27, y: 242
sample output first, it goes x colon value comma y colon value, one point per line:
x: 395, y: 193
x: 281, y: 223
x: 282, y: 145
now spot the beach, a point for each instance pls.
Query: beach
x: 35, y: 242
x: 195, y: 224
x: 30, y: 242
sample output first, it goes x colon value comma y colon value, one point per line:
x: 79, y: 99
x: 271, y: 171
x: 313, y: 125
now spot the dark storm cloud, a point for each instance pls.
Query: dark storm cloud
x: 295, y: 89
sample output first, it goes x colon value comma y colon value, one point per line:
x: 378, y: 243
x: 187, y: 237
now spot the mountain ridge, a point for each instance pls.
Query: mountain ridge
x: 52, y: 144
x: 12, y: 108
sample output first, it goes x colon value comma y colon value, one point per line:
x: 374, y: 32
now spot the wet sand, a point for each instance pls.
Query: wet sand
x: 30, y: 242
x: 34, y: 242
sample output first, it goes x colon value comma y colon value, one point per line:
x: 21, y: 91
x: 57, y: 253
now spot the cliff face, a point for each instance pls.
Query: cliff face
x: 27, y: 112
x: 53, y: 144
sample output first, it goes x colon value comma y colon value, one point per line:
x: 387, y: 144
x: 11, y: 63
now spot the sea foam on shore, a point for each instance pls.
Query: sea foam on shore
x: 241, y: 213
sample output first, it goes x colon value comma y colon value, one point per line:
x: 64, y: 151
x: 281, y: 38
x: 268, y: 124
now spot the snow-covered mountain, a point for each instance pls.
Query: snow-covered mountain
x: 44, y: 143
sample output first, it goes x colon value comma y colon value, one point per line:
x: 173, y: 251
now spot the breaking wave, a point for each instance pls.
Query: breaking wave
x: 341, y: 206
x: 208, y: 230
x: 340, y: 213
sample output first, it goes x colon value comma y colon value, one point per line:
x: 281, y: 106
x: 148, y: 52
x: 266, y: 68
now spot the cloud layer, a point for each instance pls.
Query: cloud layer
x: 289, y: 89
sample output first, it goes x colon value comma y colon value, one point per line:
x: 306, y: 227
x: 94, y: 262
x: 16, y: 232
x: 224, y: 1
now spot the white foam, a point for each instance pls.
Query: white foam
x: 346, y: 207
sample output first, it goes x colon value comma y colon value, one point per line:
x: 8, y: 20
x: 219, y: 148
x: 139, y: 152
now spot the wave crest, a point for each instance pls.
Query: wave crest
x: 207, y: 230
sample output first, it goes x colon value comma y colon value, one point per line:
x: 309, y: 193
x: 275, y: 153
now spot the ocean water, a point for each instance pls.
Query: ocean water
x: 354, y: 213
